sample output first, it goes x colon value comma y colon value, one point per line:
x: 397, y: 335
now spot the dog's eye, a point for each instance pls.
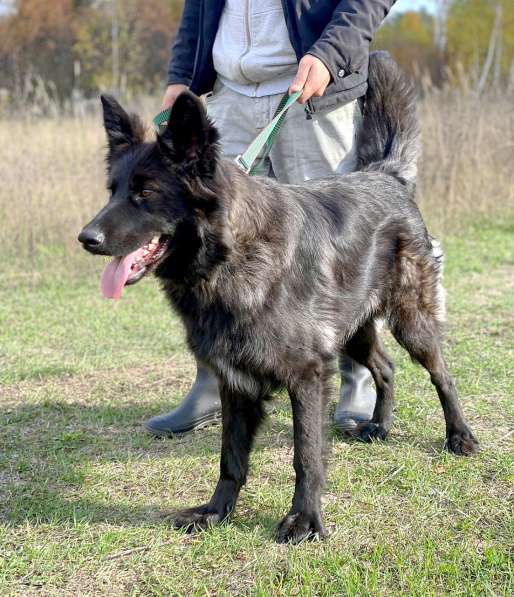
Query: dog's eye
x: 145, y: 193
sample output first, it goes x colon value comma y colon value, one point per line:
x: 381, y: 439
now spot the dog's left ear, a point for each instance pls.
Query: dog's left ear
x: 122, y: 130
x: 190, y: 136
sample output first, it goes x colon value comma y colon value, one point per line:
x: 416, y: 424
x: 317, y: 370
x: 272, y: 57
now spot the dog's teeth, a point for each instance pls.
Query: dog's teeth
x: 155, y: 240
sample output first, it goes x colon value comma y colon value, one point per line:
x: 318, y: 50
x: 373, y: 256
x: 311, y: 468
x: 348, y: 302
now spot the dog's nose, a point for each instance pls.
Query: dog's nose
x: 91, y: 238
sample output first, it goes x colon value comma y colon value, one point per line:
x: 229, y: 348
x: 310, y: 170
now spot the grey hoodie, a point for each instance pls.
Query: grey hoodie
x: 252, y: 53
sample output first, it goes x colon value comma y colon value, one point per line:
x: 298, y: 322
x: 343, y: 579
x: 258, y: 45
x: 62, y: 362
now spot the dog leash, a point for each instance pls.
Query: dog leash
x: 260, y: 148
x: 251, y: 160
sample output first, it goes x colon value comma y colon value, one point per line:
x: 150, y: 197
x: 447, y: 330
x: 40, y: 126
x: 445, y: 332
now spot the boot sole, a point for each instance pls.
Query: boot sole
x: 349, y: 425
x: 206, y: 421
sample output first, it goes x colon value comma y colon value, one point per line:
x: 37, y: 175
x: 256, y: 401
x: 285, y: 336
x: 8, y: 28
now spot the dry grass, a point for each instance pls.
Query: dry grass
x: 467, y: 168
x: 53, y: 174
x: 52, y: 181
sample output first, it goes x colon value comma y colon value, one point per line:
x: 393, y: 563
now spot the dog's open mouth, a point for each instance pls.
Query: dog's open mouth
x: 122, y: 271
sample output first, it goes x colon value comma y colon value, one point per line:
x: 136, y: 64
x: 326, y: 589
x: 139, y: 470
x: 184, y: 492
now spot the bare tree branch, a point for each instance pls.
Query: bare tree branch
x: 493, y: 41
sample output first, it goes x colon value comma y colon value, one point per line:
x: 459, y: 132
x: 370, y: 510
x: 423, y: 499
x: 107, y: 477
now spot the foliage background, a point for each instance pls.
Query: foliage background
x: 68, y: 50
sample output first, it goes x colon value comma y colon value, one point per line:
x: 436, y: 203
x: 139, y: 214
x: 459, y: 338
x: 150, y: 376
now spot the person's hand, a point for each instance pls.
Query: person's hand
x: 171, y: 94
x: 313, y: 76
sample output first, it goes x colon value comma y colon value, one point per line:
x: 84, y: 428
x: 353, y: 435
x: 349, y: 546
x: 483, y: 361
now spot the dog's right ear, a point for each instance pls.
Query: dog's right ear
x: 122, y: 130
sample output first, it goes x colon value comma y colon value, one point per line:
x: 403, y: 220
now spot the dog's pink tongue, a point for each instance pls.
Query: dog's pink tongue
x: 116, y: 274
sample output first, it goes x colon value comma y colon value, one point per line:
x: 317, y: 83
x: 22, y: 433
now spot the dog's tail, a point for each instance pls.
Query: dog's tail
x: 389, y: 139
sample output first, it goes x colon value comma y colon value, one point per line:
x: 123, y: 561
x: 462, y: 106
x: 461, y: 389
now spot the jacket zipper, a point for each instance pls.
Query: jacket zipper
x: 248, y: 10
x: 198, y: 43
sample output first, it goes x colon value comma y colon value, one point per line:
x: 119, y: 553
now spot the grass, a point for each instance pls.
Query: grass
x: 84, y: 492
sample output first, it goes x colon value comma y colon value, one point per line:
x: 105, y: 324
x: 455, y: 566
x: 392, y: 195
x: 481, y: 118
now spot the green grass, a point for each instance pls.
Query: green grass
x: 84, y: 493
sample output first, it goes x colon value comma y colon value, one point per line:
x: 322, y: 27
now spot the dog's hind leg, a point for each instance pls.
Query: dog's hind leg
x: 309, y: 395
x: 366, y: 348
x: 418, y: 332
x: 241, y: 416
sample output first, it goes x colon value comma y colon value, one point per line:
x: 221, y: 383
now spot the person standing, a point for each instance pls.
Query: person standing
x: 246, y: 54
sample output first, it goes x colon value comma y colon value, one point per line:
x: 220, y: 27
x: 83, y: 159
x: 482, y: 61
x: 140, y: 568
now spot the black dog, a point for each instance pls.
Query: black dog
x: 273, y: 281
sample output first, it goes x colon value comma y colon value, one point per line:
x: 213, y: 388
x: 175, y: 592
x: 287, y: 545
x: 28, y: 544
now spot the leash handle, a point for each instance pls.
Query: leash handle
x: 260, y: 148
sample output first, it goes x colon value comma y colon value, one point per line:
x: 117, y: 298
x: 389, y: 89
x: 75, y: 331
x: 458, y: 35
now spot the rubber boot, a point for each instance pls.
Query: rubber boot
x: 200, y: 407
x: 357, y: 396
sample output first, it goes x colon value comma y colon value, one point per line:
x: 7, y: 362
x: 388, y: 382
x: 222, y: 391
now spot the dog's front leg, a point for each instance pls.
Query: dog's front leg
x: 241, y: 416
x: 304, y: 520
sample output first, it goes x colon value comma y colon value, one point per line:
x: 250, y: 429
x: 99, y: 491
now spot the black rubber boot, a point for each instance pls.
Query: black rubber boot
x: 357, y: 398
x: 201, y: 407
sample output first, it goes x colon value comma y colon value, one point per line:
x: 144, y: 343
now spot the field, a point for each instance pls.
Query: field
x: 85, y: 493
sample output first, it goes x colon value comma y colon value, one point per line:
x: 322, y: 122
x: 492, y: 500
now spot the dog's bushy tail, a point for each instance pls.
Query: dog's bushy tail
x: 389, y: 139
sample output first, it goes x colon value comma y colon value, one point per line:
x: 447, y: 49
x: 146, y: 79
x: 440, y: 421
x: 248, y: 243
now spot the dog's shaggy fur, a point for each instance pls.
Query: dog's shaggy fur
x: 273, y: 281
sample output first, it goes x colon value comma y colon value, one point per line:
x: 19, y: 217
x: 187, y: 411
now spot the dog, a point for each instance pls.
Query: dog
x: 273, y: 282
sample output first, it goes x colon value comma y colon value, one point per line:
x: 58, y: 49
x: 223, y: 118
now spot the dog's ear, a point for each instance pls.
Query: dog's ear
x: 189, y: 137
x: 122, y: 130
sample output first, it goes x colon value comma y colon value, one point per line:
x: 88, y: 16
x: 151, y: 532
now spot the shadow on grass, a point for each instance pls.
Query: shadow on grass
x: 41, y: 507
x: 47, y: 447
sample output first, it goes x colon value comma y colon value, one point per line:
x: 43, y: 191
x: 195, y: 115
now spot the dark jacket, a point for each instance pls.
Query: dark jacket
x: 336, y: 32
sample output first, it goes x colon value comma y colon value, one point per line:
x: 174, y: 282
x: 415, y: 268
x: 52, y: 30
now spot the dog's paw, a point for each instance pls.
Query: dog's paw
x: 462, y: 442
x: 195, y: 519
x: 370, y: 432
x: 301, y: 526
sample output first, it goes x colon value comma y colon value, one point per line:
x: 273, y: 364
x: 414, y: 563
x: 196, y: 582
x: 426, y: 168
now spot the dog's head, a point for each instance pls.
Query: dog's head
x: 156, y: 189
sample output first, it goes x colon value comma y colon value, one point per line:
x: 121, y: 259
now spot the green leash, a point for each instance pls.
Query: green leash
x: 251, y: 160
x: 161, y: 120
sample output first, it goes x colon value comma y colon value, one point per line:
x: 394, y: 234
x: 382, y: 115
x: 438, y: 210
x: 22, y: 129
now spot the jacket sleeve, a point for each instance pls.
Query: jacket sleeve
x: 344, y: 44
x: 183, y: 53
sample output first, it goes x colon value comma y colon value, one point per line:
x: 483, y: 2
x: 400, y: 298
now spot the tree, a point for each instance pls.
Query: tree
x: 481, y: 39
x: 69, y: 44
x: 37, y: 38
x: 144, y: 31
x: 411, y: 38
